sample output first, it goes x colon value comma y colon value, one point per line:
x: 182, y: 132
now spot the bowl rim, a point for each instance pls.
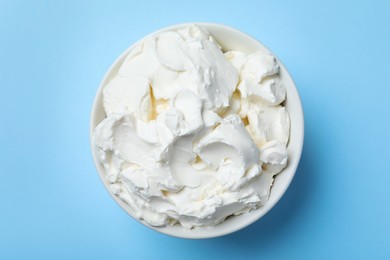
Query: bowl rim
x: 213, y: 232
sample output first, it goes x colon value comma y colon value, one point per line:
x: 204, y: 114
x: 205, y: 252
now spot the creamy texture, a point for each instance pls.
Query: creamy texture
x: 192, y: 134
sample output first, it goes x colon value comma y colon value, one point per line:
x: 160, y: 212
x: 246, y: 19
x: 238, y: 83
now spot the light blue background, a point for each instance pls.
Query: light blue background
x: 53, y: 55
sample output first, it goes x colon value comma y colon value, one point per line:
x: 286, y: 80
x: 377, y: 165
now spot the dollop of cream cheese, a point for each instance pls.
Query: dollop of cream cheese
x: 192, y: 134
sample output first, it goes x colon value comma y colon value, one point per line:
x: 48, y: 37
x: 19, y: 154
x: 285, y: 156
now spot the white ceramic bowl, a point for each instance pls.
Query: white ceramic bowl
x: 229, y: 39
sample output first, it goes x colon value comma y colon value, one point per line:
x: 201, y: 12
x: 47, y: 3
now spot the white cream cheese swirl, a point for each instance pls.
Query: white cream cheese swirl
x: 192, y: 134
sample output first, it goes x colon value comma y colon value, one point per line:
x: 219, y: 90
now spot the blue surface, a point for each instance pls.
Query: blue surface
x: 52, y: 58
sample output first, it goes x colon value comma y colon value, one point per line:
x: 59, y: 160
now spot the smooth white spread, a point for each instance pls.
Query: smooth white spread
x: 192, y: 134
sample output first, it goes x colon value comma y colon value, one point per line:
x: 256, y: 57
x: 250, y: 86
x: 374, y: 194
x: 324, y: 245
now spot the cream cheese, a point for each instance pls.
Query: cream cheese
x: 192, y: 134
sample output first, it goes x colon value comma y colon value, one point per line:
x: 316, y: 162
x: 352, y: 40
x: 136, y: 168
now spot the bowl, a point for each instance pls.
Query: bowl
x: 230, y: 39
